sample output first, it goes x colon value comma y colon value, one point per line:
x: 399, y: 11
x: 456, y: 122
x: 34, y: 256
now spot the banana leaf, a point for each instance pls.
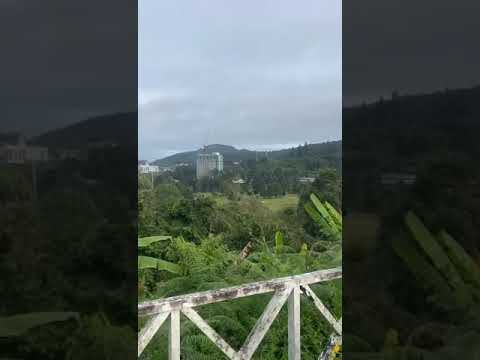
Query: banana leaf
x: 336, y: 216
x: 147, y: 262
x: 468, y: 269
x: 147, y: 241
x: 427, y: 275
x: 324, y: 213
x: 18, y: 325
x: 439, y: 258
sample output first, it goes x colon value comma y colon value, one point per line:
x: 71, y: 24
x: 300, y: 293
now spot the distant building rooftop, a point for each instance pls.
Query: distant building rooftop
x: 306, y: 179
x: 390, y: 179
x: 14, y: 150
x: 148, y: 169
x: 12, y: 139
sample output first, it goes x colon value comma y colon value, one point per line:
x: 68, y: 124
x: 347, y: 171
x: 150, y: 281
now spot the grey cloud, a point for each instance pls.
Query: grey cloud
x: 63, y: 61
x: 240, y: 73
x: 409, y: 46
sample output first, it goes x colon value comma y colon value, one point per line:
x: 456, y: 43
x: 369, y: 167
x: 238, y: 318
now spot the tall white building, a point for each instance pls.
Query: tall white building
x: 208, y: 163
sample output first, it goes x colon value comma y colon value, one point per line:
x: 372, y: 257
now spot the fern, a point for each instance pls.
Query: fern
x: 209, y: 264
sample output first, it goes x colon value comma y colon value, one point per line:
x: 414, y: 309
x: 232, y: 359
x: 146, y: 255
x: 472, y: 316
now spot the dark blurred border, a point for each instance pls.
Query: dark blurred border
x: 68, y: 179
x: 411, y: 189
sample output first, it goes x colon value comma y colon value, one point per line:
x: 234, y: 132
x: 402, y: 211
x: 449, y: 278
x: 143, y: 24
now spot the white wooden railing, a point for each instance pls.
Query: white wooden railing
x: 290, y: 288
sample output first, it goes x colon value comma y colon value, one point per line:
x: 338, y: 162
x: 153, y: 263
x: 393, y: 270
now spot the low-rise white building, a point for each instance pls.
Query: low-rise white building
x: 392, y: 179
x: 306, y: 180
x: 148, y: 169
x: 17, y: 151
x: 72, y: 154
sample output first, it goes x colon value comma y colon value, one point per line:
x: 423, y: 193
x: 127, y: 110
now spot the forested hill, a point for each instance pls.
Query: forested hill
x: 413, y: 128
x: 330, y: 150
x: 116, y: 128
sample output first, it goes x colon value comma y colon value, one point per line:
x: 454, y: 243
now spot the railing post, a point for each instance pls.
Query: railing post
x: 294, y: 350
x: 174, y: 336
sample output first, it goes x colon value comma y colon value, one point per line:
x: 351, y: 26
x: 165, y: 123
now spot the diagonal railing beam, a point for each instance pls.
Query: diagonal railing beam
x: 209, y: 332
x: 149, y: 331
x: 337, y: 326
x: 263, y: 324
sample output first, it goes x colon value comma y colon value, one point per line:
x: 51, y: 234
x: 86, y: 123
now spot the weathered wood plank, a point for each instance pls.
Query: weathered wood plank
x: 235, y: 292
x: 263, y: 324
x: 174, y: 338
x: 246, y: 250
x: 294, y: 350
x: 323, y: 309
x: 209, y: 332
x: 149, y: 330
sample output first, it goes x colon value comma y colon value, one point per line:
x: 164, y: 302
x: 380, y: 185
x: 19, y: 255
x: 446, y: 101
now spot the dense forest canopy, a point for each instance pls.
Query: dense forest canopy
x: 51, y: 248
x: 317, y: 151
x: 276, y: 173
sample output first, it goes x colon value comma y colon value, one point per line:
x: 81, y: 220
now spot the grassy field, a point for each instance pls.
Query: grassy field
x: 281, y: 203
x: 275, y: 204
x: 218, y: 198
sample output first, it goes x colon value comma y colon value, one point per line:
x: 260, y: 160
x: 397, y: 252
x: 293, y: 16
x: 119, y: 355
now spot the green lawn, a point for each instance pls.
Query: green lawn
x: 218, y: 198
x: 281, y: 203
x: 275, y: 204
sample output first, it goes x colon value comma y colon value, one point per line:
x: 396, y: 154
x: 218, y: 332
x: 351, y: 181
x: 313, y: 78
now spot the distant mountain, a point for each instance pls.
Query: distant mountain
x: 120, y: 128
x: 230, y: 153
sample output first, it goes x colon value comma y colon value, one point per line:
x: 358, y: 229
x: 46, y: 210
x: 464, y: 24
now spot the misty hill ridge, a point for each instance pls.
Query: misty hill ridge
x: 120, y: 128
x: 230, y: 153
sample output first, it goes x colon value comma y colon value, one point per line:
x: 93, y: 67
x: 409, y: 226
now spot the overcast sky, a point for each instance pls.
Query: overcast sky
x: 63, y: 61
x: 255, y: 74
x: 409, y: 46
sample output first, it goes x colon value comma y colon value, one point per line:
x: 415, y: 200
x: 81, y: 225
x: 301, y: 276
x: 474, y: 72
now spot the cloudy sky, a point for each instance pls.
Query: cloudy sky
x: 409, y: 46
x: 65, y: 61
x: 254, y: 74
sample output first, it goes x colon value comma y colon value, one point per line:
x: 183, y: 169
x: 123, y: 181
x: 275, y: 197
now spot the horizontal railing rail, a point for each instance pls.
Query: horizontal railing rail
x: 287, y: 288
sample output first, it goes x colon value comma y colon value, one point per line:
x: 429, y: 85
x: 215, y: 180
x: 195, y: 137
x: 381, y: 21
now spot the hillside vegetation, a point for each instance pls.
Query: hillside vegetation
x: 57, y: 304
x: 218, y: 242
x: 327, y: 150
x: 277, y: 175
x: 114, y: 128
x: 412, y: 251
